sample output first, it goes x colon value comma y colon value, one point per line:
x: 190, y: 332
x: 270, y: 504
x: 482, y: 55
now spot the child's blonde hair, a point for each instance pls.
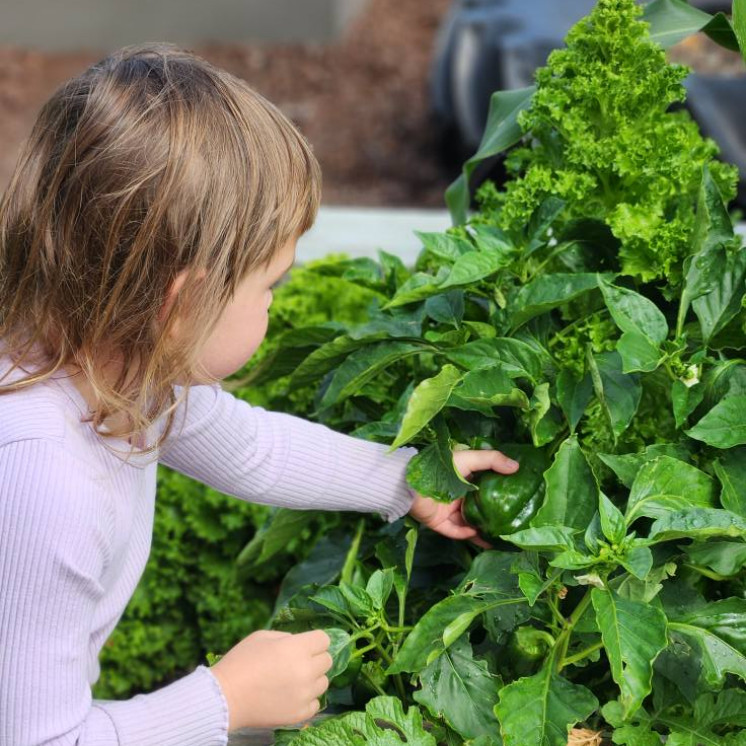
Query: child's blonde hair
x: 150, y: 162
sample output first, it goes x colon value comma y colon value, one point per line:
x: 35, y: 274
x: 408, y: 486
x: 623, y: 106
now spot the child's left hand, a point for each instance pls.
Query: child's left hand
x: 446, y: 518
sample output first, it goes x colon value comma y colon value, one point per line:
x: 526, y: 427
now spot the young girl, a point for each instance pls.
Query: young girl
x: 156, y: 203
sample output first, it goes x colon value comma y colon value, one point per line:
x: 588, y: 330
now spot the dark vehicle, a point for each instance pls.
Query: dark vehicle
x: 490, y: 45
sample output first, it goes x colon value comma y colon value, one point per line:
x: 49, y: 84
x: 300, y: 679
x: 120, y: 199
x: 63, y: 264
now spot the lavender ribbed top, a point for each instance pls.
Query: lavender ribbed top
x: 75, y: 529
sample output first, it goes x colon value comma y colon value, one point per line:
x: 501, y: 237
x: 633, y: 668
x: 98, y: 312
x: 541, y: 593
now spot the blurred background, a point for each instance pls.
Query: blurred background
x: 393, y: 94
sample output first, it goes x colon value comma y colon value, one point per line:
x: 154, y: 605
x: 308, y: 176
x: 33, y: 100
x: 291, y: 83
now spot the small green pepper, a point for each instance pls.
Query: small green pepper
x: 505, y: 503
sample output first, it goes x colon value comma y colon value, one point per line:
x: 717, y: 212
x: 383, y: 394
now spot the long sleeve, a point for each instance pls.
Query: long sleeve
x: 278, y: 459
x: 57, y: 524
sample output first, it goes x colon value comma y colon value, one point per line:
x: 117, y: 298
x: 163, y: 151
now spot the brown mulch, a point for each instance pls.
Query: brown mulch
x: 363, y: 101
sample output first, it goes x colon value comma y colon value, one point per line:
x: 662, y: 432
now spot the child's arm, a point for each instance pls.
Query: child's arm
x: 56, y: 533
x: 277, y: 459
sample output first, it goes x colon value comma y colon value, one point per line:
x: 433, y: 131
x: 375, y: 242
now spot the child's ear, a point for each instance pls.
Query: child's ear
x: 173, y: 290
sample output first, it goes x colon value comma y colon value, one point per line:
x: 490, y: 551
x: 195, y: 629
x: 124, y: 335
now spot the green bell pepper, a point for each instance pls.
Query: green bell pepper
x: 504, y: 504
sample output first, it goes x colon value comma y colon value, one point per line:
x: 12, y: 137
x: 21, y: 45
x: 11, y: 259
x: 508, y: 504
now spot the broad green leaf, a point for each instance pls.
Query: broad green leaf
x: 739, y: 24
x: 724, y: 426
x: 723, y: 557
x: 472, y: 267
x: 618, y: 392
x: 418, y: 287
x: 547, y: 538
x: 613, y: 525
x: 332, y: 598
x: 488, y: 587
x: 666, y: 484
x: 363, y: 365
x: 540, y: 710
x: 443, y: 245
x: 550, y: 291
x: 322, y: 360
x: 633, y: 634
x: 446, y: 308
x: 432, y: 473
x: 638, y: 353
x: 573, y: 395
x: 626, y: 466
x: 545, y: 420
x: 461, y: 690
x: 491, y: 387
x: 719, y: 631
x: 638, y: 560
x: 359, y: 600
x: 730, y: 469
x: 634, y: 313
x: 339, y: 649
x: 712, y: 230
x: 517, y: 358
x: 383, y: 723
x: 673, y: 20
x: 379, y: 587
x: 274, y: 535
x: 717, y: 308
x: 698, y: 523
x: 501, y: 132
x: 428, y: 398
x: 571, y: 489
x: 685, y: 400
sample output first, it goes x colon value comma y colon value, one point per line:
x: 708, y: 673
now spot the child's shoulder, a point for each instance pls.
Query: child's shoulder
x: 38, y: 411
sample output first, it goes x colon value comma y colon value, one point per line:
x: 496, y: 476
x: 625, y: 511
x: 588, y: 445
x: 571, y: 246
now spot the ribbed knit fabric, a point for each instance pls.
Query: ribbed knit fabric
x: 75, y: 530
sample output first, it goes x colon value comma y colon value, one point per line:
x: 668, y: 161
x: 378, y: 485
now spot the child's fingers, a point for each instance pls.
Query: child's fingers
x: 316, y: 641
x: 467, y: 462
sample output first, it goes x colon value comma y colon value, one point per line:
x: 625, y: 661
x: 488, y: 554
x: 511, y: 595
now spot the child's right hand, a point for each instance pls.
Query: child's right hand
x: 272, y: 678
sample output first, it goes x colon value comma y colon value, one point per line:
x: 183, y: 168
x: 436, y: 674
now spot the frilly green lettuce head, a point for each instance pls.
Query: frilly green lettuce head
x: 601, y: 134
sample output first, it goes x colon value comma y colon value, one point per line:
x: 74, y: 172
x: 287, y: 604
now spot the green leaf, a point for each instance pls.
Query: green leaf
x: 518, y: 359
x: 418, y: 287
x: 713, y: 229
x: 473, y: 267
x: 573, y: 395
x: 739, y: 24
x: 339, y: 649
x: 550, y: 291
x: 501, y: 132
x: 571, y: 489
x: 698, y: 523
x: 633, y: 634
x: 730, y: 469
x: 491, y: 387
x: 432, y: 473
x: 627, y: 466
x: 685, y: 400
x: 363, y: 365
x: 273, y: 537
x: 634, y: 313
x: 379, y: 587
x: 666, y: 484
x: 540, y: 710
x: 613, y: 525
x: 359, y: 600
x: 443, y: 245
x: 724, y: 426
x: 547, y: 538
x: 717, y: 308
x: 544, y: 418
x: 673, y: 20
x: 461, y: 690
x: 488, y: 587
x: 446, y: 308
x: 322, y: 360
x: 638, y: 353
x: 719, y: 631
x: 428, y: 398
x: 383, y: 723
x: 723, y: 557
x: 618, y: 392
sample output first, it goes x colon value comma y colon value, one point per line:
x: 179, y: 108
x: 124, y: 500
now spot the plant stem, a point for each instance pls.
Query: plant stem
x: 582, y: 654
x: 563, y: 641
x: 351, y: 558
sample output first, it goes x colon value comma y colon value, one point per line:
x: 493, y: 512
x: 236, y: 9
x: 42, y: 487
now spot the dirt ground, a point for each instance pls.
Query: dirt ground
x: 362, y: 102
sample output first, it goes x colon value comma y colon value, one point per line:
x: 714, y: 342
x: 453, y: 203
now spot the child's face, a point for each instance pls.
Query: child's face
x: 243, y: 324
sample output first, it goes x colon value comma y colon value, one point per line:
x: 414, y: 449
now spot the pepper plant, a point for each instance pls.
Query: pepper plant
x: 588, y: 319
